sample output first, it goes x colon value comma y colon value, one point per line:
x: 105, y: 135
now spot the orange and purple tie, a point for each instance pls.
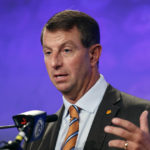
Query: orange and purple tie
x: 71, y: 137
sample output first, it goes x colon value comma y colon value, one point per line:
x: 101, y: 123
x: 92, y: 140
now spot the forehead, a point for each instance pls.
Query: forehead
x: 61, y: 36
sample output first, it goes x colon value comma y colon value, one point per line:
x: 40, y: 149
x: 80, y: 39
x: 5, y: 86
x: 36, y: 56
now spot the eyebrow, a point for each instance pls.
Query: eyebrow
x: 61, y: 46
x: 67, y: 42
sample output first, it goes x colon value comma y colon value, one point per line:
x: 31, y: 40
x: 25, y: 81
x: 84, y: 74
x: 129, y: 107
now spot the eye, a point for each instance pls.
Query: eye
x: 47, y: 53
x: 67, y: 50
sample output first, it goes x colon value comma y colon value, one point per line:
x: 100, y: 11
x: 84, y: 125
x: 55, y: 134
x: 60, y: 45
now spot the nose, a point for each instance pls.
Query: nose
x: 56, y: 61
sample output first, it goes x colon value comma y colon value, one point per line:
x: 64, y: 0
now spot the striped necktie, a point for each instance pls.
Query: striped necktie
x: 71, y: 137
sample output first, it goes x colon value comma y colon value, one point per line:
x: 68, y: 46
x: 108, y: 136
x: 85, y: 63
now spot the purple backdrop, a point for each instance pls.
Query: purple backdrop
x: 24, y: 82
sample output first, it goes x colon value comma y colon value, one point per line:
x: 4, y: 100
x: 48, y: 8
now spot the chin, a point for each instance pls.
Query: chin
x: 64, y: 90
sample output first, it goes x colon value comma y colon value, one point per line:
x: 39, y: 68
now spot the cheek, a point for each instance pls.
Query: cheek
x: 79, y: 65
x: 46, y: 64
x: 47, y: 67
x: 75, y: 63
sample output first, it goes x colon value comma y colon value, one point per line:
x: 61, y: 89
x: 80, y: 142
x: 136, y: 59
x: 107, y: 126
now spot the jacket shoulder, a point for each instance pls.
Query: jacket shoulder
x: 130, y: 100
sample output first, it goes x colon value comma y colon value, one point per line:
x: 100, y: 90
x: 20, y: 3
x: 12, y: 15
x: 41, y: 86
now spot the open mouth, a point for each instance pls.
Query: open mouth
x: 60, y: 75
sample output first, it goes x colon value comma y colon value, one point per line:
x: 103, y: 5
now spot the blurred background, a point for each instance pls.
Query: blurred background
x: 24, y: 82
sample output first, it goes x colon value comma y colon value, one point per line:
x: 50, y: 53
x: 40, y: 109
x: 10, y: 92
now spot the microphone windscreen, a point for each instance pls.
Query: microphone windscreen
x: 51, y: 118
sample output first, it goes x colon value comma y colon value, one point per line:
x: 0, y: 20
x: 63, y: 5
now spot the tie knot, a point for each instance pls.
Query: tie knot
x: 74, y: 111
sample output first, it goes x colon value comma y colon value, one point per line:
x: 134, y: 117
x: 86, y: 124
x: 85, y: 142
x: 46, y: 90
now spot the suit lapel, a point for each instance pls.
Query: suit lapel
x: 56, y: 128
x: 106, y: 111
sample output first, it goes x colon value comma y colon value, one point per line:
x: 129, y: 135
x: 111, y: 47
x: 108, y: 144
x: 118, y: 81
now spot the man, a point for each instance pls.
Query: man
x: 70, y: 41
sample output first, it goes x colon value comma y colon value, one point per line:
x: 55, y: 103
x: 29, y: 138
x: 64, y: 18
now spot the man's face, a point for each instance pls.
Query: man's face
x: 67, y: 61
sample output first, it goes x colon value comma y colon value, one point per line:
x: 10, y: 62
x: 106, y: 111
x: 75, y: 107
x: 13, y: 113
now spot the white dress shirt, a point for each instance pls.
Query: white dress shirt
x: 88, y: 103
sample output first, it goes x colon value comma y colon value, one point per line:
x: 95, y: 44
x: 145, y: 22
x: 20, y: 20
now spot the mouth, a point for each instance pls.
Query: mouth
x: 60, y: 77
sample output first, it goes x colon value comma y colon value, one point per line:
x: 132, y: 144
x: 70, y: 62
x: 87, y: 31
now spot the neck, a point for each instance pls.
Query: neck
x: 74, y: 97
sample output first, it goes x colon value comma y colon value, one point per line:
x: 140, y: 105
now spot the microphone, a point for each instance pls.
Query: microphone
x: 31, y: 125
x: 35, y: 121
x: 49, y: 118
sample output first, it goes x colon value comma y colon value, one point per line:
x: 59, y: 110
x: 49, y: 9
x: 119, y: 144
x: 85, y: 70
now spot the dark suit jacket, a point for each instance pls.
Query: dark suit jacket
x: 121, y: 105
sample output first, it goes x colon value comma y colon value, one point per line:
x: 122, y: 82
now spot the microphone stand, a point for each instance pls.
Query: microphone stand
x: 16, y: 144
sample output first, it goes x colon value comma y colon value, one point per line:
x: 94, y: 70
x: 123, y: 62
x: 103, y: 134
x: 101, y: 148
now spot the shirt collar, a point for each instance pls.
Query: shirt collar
x: 91, y: 99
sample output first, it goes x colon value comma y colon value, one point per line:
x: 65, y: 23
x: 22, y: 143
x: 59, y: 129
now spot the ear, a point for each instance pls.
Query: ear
x: 94, y: 53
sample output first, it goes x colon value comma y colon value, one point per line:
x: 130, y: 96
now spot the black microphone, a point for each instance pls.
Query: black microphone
x: 36, y: 120
x: 49, y: 118
x: 31, y: 125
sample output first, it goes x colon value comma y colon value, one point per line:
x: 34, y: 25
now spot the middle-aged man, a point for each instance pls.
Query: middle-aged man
x: 102, y: 118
